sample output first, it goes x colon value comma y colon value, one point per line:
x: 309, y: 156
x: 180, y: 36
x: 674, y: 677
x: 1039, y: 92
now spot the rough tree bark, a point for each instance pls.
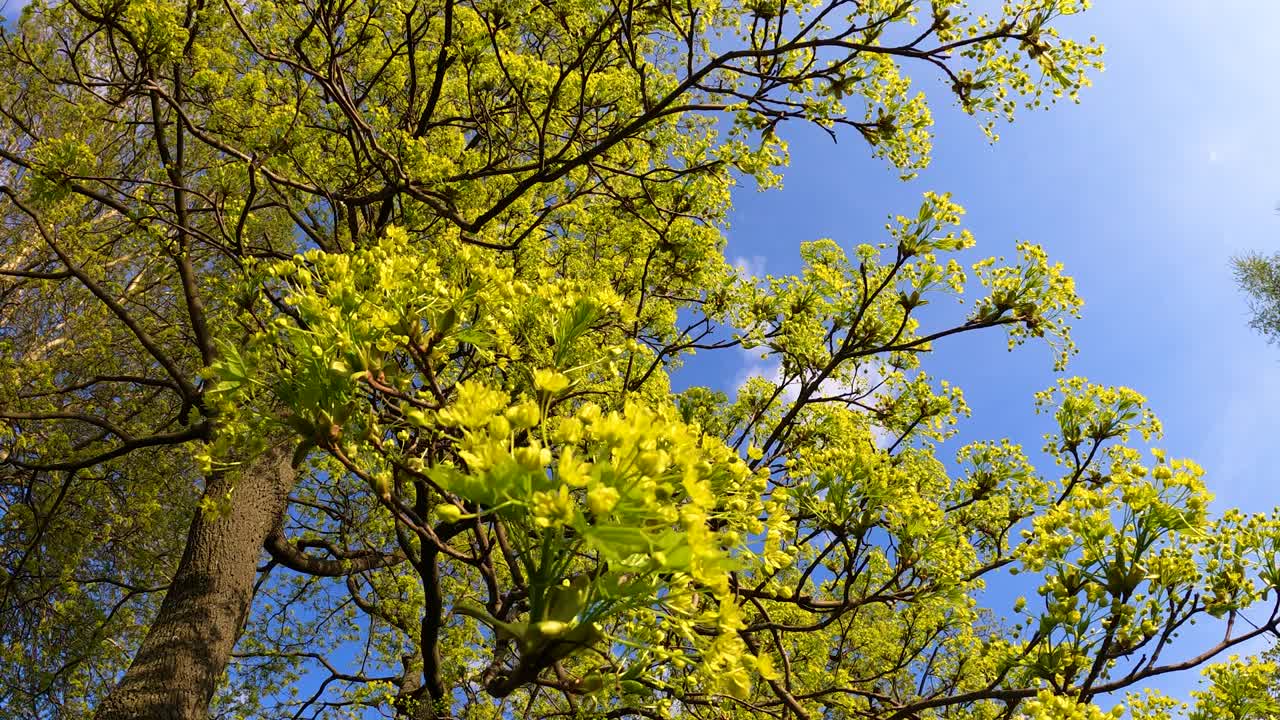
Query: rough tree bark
x: 187, y: 648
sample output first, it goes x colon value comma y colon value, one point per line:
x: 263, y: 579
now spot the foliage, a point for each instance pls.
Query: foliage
x: 456, y: 253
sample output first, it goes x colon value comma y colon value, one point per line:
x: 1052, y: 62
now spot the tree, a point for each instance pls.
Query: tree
x: 1233, y: 690
x: 335, y: 325
x: 1259, y: 278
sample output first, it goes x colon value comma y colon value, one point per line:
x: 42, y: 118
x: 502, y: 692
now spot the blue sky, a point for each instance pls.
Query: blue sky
x: 1168, y: 167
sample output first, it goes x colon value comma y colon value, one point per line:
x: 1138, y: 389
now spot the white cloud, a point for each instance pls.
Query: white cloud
x: 770, y: 369
x: 749, y: 266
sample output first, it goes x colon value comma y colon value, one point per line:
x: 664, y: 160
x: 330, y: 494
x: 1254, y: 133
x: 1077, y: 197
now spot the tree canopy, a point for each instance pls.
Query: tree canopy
x: 338, y: 362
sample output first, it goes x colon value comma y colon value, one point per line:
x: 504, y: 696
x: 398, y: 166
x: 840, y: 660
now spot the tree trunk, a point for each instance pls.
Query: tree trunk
x: 188, y: 646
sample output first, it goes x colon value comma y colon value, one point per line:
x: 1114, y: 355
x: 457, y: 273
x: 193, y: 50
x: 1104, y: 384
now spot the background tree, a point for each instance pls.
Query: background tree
x: 1259, y: 278
x: 391, y: 292
x: 1242, y: 689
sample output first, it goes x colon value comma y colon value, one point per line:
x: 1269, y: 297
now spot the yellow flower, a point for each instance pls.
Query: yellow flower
x: 552, y: 509
x: 475, y: 405
x: 524, y: 415
x: 499, y: 427
x: 573, y: 471
x: 533, y: 457
x: 550, y: 381
x: 601, y: 499
x: 568, y: 430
